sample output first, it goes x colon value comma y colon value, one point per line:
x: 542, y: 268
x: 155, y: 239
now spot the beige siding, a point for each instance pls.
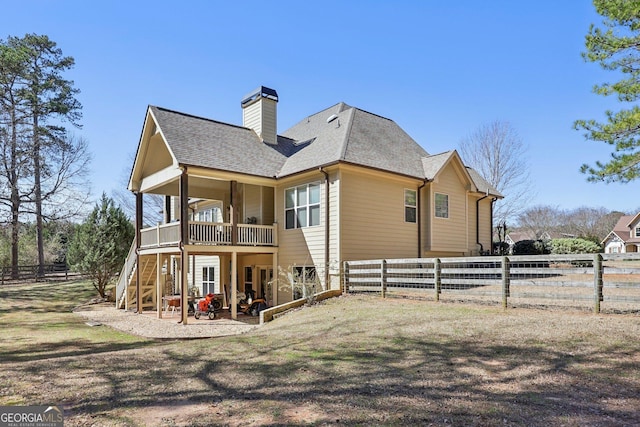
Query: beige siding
x: 261, y: 116
x: 269, y: 121
x: 334, y: 231
x: 300, y: 246
x: 483, y: 221
x: 161, y: 157
x: 252, y: 203
x: 268, y: 213
x: 374, y: 227
x: 450, y: 235
x: 306, y: 246
x: 200, y: 262
x: 473, y: 247
x: 251, y: 117
x: 258, y: 203
x: 486, y: 228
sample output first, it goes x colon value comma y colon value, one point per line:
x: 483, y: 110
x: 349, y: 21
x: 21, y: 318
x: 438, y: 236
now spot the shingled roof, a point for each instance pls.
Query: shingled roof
x: 340, y: 133
x: 624, y: 229
x: 196, y: 141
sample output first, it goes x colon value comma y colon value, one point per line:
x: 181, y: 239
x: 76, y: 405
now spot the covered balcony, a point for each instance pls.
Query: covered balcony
x: 209, y: 234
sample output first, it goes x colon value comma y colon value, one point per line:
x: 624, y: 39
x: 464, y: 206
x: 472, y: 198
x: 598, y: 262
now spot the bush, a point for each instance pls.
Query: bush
x: 531, y: 247
x: 500, y: 248
x: 574, y: 246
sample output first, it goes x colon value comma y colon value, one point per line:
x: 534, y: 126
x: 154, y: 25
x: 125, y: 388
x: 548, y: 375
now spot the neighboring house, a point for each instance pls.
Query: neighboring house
x: 625, y: 236
x: 514, y: 237
x: 342, y: 184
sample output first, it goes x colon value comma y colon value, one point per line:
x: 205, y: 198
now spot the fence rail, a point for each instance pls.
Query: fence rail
x: 30, y: 272
x: 609, y: 281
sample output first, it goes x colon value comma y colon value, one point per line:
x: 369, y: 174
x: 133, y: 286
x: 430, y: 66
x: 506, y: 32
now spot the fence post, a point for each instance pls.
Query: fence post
x: 437, y: 280
x: 383, y: 277
x: 597, y: 282
x: 345, y: 279
x: 506, y: 281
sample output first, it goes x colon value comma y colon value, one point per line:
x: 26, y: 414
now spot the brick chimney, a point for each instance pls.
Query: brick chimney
x: 259, y: 112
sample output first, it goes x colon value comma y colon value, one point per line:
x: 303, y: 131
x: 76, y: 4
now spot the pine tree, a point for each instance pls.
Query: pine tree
x: 616, y: 47
x: 101, y: 244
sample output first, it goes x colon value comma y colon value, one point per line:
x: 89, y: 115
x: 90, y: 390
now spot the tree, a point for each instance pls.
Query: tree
x: 15, y: 159
x: 44, y: 166
x: 590, y: 223
x: 540, y: 219
x: 48, y: 96
x: 616, y: 47
x: 498, y: 154
x: 153, y: 204
x: 101, y: 244
x: 574, y: 246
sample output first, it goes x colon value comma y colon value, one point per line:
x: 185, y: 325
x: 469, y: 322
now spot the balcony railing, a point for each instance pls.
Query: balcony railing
x: 209, y: 233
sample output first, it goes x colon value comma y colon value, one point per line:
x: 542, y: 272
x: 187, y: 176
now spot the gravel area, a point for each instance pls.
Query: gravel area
x: 148, y: 325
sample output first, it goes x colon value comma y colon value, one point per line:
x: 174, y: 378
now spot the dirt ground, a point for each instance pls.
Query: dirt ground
x: 352, y: 360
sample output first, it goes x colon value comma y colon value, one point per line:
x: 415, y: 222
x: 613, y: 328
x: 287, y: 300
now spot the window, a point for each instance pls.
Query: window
x: 213, y: 214
x: 442, y: 205
x: 410, y: 206
x: 208, y: 280
x: 305, y: 278
x: 302, y: 206
x: 637, y: 231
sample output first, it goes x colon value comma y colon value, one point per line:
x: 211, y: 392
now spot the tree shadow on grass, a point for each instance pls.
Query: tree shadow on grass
x: 65, y: 348
x: 41, y: 297
x: 408, y: 381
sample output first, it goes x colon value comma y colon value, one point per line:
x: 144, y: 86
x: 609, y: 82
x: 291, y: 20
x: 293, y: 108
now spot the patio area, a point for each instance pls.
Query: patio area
x: 148, y: 325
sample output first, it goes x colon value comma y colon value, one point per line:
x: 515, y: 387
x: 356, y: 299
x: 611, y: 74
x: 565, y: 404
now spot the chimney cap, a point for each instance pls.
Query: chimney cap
x: 260, y: 92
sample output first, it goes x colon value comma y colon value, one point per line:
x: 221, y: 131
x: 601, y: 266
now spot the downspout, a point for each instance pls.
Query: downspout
x: 326, y: 227
x: 419, y: 216
x: 493, y: 200
x: 478, y: 220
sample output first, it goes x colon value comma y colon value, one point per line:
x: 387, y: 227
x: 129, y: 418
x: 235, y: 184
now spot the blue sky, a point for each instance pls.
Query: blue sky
x: 439, y: 69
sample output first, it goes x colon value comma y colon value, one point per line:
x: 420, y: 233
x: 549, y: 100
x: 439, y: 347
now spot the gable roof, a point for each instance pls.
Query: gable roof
x: 343, y: 133
x: 623, y: 229
x: 338, y: 134
x: 481, y: 184
x: 196, y: 141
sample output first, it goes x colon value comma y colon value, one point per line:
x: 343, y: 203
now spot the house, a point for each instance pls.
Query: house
x: 516, y: 236
x: 342, y: 184
x: 625, y: 236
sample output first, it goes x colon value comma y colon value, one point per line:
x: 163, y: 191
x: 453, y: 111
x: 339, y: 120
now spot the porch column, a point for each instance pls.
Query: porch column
x: 167, y: 209
x: 184, y: 240
x: 193, y: 271
x: 274, y: 280
x: 138, y: 244
x: 184, y: 297
x: 159, y: 287
x: 233, y: 213
x: 234, y: 285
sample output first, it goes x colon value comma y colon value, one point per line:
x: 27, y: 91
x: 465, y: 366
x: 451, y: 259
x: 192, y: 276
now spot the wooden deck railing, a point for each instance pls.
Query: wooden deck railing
x: 209, y: 233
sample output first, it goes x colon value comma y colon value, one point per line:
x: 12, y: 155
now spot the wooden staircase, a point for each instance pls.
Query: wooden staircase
x: 126, y: 287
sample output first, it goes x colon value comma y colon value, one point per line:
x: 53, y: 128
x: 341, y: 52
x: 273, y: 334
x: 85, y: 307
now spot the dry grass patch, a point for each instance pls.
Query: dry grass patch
x: 353, y: 360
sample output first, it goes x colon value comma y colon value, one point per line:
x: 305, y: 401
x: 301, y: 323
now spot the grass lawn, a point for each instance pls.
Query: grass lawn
x: 354, y: 360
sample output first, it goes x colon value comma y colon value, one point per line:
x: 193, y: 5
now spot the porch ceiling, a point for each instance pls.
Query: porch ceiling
x: 206, y: 188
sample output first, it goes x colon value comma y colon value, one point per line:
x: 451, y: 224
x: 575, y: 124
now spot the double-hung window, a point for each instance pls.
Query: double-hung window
x: 302, y: 206
x: 410, y: 205
x: 305, y: 280
x: 442, y: 205
x: 208, y: 280
x: 637, y: 231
